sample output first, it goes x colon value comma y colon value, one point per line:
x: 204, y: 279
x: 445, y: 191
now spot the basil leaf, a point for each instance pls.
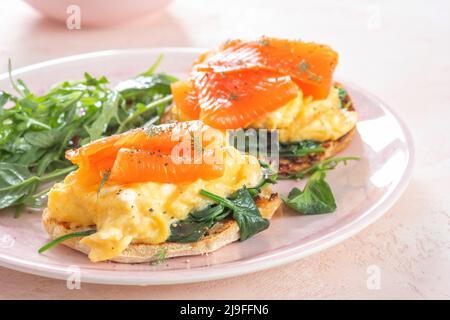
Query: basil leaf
x: 315, y: 198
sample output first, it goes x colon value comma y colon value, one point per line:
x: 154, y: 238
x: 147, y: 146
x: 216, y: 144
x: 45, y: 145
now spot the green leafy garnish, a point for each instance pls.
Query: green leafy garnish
x: 244, y: 211
x: 300, y: 148
x: 269, y: 177
x: 304, y: 67
x: 315, y: 198
x: 160, y: 256
x: 17, y: 184
x: 344, y: 98
x: 324, y: 165
x: 105, y: 178
x: 256, y: 143
x: 197, y: 224
x: 37, y: 130
x: 65, y: 237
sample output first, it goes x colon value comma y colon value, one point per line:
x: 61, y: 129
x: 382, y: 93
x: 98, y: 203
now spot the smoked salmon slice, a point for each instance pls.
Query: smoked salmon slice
x: 309, y: 64
x: 185, y: 98
x: 140, y: 166
x: 145, y: 150
x: 236, y: 99
x: 162, y: 137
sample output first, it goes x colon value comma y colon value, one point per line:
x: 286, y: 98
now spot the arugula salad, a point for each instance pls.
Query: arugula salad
x: 36, y: 130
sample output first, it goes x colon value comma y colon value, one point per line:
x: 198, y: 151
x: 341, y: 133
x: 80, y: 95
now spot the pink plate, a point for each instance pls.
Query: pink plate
x: 364, y: 190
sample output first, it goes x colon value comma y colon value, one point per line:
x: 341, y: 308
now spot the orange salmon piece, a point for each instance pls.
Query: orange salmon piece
x: 236, y: 99
x: 309, y: 64
x: 163, y: 137
x: 185, y: 98
x: 110, y: 155
x: 140, y: 166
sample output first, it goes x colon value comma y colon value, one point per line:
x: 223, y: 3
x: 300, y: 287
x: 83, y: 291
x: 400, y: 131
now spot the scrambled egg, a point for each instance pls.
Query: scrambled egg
x: 307, y: 119
x: 142, y: 212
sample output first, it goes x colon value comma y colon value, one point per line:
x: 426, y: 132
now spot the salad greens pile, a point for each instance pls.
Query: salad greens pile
x: 36, y: 130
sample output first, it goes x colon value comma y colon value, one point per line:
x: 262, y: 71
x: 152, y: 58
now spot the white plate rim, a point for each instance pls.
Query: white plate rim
x: 371, y: 215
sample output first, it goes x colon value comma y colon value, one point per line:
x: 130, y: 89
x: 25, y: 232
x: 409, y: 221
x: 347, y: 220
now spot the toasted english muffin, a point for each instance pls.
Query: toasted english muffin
x: 221, y: 234
x: 293, y: 164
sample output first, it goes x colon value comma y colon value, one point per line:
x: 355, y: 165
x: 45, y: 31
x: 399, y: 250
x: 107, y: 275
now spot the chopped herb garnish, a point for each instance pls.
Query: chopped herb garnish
x: 160, y: 256
x: 232, y: 97
x: 105, y: 178
x: 304, y: 67
x: 263, y: 42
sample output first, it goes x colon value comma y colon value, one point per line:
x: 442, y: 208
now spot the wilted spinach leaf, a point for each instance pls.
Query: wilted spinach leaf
x: 315, y: 198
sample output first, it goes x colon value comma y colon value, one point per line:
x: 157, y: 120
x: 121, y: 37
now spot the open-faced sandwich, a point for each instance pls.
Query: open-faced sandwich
x: 170, y: 190
x: 272, y: 84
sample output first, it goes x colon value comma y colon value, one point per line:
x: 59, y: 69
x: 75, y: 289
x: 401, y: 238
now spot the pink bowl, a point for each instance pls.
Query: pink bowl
x: 98, y: 12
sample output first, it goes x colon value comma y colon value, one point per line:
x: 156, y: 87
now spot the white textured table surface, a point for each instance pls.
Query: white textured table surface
x: 399, y: 50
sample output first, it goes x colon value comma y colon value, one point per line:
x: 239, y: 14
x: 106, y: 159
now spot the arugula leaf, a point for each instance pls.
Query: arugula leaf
x: 245, y: 212
x: 98, y: 128
x: 315, y: 198
x: 65, y: 237
x: 45, y: 162
x: 150, y: 71
x: 42, y: 139
x: 16, y: 181
x: 138, y: 114
x: 324, y: 165
x: 4, y: 98
x: 269, y: 177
